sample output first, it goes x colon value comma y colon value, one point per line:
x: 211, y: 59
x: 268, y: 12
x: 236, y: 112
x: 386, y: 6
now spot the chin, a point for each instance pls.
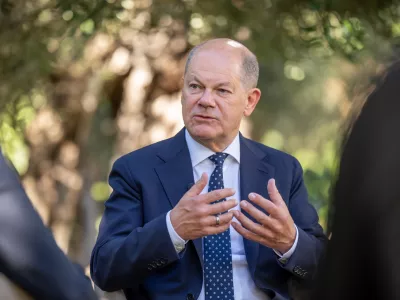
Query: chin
x: 202, y: 132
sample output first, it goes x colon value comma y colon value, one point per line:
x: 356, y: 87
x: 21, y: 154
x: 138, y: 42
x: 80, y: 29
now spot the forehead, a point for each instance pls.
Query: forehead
x: 214, y: 64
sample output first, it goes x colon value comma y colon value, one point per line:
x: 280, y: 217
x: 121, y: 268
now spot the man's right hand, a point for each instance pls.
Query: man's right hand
x: 194, y: 216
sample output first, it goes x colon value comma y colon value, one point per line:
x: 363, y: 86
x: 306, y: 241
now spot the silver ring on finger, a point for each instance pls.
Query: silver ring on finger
x: 217, y: 220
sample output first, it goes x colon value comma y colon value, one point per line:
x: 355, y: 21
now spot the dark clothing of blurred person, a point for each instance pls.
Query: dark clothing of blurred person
x: 29, y: 255
x: 363, y: 257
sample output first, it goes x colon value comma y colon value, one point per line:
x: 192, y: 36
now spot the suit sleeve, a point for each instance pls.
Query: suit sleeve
x: 311, y: 239
x: 127, y: 250
x: 29, y: 255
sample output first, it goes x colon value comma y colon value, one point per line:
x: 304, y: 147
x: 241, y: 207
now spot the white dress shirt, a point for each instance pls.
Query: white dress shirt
x: 244, y: 287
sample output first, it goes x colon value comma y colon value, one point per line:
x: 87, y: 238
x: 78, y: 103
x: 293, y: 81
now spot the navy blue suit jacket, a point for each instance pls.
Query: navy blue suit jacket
x: 29, y: 255
x: 134, y: 251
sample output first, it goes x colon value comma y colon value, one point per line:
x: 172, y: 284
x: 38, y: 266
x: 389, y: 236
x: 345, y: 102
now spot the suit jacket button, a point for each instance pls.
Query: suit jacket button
x: 189, y: 297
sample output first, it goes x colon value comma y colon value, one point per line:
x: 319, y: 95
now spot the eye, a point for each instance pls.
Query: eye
x: 194, y: 86
x: 223, y: 91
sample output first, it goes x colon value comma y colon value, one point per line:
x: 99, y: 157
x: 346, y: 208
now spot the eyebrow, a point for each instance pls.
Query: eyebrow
x: 223, y: 83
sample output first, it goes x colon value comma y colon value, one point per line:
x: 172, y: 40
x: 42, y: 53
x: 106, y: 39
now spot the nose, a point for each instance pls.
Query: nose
x: 207, y: 99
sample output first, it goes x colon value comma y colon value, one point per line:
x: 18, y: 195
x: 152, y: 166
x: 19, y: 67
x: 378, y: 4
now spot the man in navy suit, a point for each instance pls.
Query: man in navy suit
x: 163, y: 237
x: 29, y: 255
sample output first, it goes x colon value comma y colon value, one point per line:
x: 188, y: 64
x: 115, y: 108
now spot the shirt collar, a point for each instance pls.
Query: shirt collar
x: 198, y: 152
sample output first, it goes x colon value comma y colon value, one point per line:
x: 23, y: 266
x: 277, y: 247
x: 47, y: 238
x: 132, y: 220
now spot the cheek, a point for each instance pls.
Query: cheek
x: 232, y: 114
x: 187, y: 105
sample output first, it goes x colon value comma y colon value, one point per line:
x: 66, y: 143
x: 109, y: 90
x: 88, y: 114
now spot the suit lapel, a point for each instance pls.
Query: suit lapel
x: 254, y: 175
x: 176, y: 175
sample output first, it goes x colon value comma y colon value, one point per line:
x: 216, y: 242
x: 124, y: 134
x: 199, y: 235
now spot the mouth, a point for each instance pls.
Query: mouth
x: 203, y: 117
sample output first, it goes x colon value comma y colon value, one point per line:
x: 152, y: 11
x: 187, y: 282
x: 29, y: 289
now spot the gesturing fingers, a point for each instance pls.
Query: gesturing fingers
x: 217, y: 229
x: 222, y: 220
x: 222, y: 206
x: 258, y: 215
x: 266, y: 204
x: 217, y: 195
x: 274, y: 194
x: 246, y: 233
x: 249, y: 224
x: 198, y: 186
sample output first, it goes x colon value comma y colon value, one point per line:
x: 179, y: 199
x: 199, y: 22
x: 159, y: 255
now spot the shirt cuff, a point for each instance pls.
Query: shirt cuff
x: 178, y: 242
x: 283, y: 258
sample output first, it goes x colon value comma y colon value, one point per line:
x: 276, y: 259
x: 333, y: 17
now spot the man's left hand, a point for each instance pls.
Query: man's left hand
x: 276, y: 230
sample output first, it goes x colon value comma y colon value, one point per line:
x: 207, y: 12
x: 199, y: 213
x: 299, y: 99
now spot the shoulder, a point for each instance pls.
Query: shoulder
x: 9, y: 175
x: 284, y: 164
x: 274, y: 156
x: 144, y: 157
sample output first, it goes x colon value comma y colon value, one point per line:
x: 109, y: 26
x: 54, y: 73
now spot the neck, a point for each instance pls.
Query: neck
x: 216, y: 145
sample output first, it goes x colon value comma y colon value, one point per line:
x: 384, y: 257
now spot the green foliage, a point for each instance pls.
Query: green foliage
x: 14, y: 147
x: 12, y: 140
x: 34, y: 36
x: 100, y: 191
x: 300, y: 45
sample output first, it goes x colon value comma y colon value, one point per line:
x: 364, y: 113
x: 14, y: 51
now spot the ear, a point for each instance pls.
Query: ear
x: 253, y: 96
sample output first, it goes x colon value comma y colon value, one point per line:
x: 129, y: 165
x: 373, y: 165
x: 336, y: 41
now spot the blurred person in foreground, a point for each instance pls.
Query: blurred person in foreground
x: 168, y: 231
x: 363, y: 256
x: 29, y: 256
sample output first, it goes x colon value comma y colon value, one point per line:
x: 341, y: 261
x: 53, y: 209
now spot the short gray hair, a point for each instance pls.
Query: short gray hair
x: 250, y: 67
x: 250, y: 70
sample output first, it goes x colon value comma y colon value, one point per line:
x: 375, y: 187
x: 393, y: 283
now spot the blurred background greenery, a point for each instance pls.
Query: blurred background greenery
x: 84, y: 81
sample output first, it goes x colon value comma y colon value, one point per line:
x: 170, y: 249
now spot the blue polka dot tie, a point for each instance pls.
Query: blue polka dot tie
x: 218, y: 277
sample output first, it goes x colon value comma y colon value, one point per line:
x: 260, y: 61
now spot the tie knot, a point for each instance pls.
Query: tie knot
x: 218, y: 158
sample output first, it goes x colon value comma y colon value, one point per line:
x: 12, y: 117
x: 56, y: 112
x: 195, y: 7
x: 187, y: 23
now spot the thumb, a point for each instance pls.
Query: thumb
x: 273, y: 192
x: 198, y: 186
